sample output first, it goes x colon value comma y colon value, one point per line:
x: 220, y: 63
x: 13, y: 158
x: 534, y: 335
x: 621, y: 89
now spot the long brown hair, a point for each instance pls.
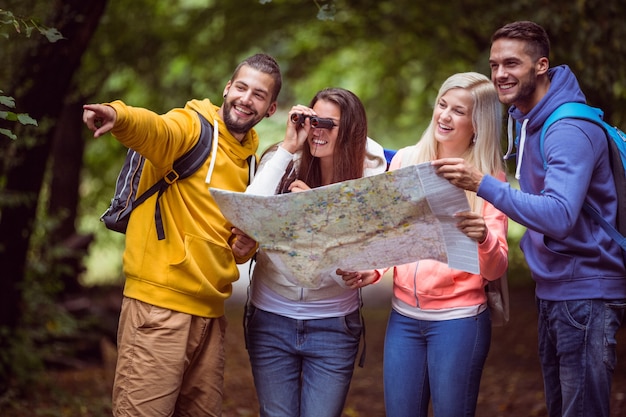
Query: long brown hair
x: 349, y: 152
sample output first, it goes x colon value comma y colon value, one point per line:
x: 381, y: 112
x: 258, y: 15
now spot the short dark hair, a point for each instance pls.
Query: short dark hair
x: 535, y: 36
x: 264, y: 63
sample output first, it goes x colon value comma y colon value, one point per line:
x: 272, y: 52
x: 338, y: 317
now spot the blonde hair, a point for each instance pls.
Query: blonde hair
x: 484, y: 152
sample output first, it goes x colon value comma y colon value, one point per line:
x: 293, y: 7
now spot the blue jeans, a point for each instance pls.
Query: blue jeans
x: 439, y: 359
x: 577, y: 350
x: 302, y: 368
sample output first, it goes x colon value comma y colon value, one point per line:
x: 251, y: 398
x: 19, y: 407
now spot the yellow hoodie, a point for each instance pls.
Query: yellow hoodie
x: 193, y: 268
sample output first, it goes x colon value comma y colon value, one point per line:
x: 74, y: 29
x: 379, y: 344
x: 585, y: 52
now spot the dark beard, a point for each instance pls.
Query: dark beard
x: 527, y: 89
x: 234, y: 127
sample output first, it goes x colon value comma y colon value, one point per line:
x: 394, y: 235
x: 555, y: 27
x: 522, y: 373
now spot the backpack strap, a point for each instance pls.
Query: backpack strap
x: 251, y: 168
x: 608, y: 227
x: 182, y: 168
x: 583, y: 111
x: 572, y: 110
x: 191, y: 161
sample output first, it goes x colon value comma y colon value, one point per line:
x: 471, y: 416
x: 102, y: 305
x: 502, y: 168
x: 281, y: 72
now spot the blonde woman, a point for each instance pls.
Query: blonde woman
x: 439, y: 329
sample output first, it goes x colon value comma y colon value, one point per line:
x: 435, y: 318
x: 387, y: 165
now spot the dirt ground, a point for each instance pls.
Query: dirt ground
x: 511, y: 384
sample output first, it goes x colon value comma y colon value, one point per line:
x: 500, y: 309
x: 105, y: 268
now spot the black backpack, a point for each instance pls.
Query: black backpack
x: 125, y: 197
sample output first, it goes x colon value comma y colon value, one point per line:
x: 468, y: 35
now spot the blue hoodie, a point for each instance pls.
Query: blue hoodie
x: 569, y: 255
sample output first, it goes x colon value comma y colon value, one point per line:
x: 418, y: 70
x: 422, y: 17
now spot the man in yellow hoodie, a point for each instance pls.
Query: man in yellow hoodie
x: 172, y: 325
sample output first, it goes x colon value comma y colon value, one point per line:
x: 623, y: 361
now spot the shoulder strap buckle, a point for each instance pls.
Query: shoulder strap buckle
x: 171, y: 177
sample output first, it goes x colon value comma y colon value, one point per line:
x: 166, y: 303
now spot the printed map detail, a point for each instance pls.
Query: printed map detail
x: 380, y: 221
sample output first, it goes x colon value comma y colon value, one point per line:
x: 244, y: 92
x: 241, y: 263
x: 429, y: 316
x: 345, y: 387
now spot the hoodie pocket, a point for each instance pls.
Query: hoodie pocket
x: 206, y: 268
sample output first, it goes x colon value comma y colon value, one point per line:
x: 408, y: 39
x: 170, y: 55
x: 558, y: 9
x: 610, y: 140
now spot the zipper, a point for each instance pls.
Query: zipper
x: 417, y: 300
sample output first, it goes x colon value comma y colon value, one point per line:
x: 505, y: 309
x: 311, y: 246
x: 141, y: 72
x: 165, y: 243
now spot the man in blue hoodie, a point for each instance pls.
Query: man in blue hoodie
x: 578, y: 269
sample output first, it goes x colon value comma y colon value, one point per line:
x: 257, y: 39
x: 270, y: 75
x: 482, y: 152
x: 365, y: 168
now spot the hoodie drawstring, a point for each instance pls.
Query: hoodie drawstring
x: 522, y: 142
x: 216, y: 135
x: 510, y: 137
x: 520, y: 146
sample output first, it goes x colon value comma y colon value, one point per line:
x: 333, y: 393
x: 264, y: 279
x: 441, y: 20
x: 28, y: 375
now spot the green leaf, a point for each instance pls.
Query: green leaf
x: 52, y: 34
x: 6, y: 16
x: 25, y: 119
x: 7, y: 132
x: 9, y: 115
x: 327, y: 12
x: 7, y: 101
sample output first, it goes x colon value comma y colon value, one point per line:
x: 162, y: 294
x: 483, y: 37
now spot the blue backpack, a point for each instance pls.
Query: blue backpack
x: 617, y: 156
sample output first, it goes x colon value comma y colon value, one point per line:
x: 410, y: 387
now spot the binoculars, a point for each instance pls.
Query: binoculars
x: 316, y: 122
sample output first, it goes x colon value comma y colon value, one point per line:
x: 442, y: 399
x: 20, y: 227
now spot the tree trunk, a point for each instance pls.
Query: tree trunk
x: 67, y: 155
x: 39, y: 85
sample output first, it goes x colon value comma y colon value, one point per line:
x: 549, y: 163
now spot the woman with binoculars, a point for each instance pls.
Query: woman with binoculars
x: 303, y: 342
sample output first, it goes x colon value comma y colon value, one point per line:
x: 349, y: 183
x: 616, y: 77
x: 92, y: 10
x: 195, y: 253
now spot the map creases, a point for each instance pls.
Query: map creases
x: 375, y: 222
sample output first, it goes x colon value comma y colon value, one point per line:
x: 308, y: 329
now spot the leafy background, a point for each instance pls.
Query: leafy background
x: 55, y: 179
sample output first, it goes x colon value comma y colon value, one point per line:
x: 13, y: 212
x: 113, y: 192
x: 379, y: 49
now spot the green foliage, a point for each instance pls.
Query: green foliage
x: 21, y: 26
x: 19, y: 360
x: 41, y: 320
x: 46, y: 331
x: 22, y: 118
x: 26, y: 26
x: 326, y: 9
x: 518, y: 272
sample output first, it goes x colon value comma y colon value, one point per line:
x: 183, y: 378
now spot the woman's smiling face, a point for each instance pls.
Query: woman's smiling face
x: 453, y: 121
x: 322, y: 141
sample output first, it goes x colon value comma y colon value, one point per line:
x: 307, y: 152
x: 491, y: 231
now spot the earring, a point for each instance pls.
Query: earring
x: 474, y: 138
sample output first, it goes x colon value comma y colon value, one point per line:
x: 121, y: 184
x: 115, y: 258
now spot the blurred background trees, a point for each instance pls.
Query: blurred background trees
x: 56, y: 180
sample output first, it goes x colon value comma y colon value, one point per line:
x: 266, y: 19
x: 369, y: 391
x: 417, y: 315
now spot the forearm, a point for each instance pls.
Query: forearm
x: 270, y: 173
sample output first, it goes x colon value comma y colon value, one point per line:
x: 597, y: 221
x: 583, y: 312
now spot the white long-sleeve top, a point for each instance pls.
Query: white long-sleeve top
x: 271, y: 289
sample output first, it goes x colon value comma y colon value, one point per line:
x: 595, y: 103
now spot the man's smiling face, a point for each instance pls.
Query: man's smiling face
x: 247, y: 100
x: 514, y: 73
